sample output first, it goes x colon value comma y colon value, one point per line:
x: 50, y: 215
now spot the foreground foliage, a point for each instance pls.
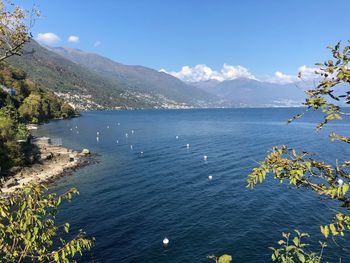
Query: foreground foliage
x: 222, y: 259
x: 29, y: 104
x: 28, y: 230
x: 15, y: 25
x: 302, y: 169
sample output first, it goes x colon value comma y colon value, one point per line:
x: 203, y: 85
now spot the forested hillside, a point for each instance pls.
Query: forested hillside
x: 74, y: 83
x: 22, y: 102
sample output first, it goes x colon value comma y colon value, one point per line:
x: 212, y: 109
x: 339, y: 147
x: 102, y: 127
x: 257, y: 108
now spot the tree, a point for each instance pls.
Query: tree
x: 301, y: 169
x: 28, y: 230
x: 67, y: 111
x: 32, y: 109
x: 15, y: 25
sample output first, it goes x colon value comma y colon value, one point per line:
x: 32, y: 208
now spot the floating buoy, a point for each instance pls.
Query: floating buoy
x: 108, y: 127
x: 71, y: 129
x: 97, y: 133
x: 205, y: 157
x: 165, y: 241
x: 141, y: 153
x: 210, y: 177
x: 187, y: 145
x: 126, y: 135
x: 76, y: 127
x: 97, y: 138
x: 118, y: 123
x: 131, y: 147
x: 177, y: 137
x: 340, y: 182
x: 117, y: 141
x: 132, y: 131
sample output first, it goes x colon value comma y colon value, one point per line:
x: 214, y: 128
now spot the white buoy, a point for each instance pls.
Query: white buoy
x: 97, y: 138
x: 76, y: 127
x: 141, y: 153
x: 205, y: 157
x: 131, y: 147
x: 117, y: 141
x: 177, y: 137
x: 118, y: 123
x: 187, y: 145
x: 126, y: 135
x: 97, y: 133
x: 210, y: 177
x: 71, y: 129
x: 165, y: 241
x: 340, y: 182
x: 108, y: 127
x: 132, y: 131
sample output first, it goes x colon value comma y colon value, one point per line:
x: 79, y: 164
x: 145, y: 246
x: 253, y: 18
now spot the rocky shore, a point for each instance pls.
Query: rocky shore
x: 53, y: 162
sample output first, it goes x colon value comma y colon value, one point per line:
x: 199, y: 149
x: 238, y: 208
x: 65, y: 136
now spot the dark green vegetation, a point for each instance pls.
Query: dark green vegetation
x: 303, y: 170
x: 30, y: 104
x: 28, y: 231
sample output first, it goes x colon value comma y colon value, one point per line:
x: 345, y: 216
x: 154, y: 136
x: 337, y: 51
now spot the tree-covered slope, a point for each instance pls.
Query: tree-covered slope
x: 76, y: 83
x: 139, y: 78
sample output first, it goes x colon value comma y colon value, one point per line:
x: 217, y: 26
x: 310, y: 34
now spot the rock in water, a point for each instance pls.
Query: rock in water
x: 85, y: 151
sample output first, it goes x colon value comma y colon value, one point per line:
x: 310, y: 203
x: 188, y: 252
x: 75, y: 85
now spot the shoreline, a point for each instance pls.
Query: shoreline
x: 54, y: 162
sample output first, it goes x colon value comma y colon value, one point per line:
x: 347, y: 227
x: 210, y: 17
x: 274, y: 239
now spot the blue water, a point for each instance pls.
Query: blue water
x: 129, y: 202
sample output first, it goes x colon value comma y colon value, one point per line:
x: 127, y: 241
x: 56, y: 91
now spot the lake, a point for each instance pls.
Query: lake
x: 130, y: 201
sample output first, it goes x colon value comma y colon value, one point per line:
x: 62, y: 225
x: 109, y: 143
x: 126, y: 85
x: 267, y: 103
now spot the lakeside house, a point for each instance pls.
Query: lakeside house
x: 11, y: 91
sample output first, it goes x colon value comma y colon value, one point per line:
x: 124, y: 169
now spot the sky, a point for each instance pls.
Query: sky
x: 200, y: 39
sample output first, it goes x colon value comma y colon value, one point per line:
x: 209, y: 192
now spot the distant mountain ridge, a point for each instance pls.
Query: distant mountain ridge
x: 243, y: 92
x: 109, y: 85
x: 138, y: 78
x: 91, y: 81
x: 74, y: 83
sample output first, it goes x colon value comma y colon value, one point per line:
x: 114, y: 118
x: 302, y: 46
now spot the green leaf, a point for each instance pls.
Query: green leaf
x: 225, y: 259
x: 301, y: 257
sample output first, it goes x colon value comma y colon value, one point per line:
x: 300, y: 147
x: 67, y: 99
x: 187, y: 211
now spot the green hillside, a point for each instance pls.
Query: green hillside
x: 139, y: 78
x: 21, y: 102
x: 73, y: 82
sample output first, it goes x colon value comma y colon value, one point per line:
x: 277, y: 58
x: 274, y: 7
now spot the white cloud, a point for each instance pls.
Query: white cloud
x: 73, y: 39
x: 48, y: 38
x: 308, y: 73
x: 97, y: 43
x: 305, y: 72
x: 202, y: 72
x: 282, y: 78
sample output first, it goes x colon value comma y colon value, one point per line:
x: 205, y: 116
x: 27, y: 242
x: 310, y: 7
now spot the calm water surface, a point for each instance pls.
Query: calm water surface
x: 129, y: 202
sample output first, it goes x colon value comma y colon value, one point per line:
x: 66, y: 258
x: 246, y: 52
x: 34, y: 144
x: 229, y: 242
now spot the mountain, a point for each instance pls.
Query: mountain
x: 139, y: 79
x: 252, y: 93
x: 72, y: 82
x: 206, y: 85
x: 90, y: 81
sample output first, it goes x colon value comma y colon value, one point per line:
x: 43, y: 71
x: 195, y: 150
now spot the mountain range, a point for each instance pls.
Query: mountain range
x: 244, y: 92
x: 91, y: 81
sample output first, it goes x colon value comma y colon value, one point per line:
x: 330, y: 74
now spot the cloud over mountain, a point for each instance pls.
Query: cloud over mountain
x: 202, y: 72
x: 48, y: 38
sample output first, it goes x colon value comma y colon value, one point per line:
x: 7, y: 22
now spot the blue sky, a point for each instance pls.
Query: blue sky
x: 263, y: 36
